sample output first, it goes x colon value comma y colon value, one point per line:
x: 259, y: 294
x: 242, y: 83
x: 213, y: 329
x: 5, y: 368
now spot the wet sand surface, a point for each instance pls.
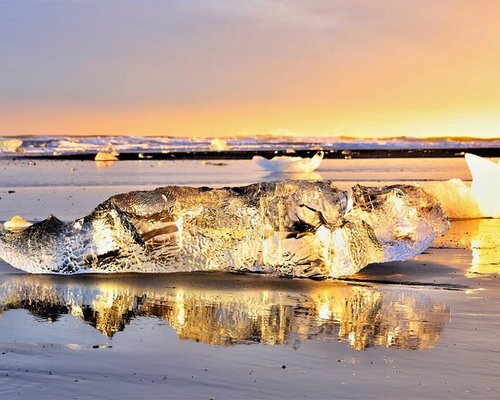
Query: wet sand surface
x: 424, y: 328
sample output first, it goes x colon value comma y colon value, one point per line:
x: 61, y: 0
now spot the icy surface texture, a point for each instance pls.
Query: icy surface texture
x: 292, y: 228
x: 289, y: 164
x: 479, y: 200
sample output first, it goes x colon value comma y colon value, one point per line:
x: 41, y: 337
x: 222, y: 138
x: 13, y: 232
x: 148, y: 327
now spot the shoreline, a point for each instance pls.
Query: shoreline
x: 329, y: 153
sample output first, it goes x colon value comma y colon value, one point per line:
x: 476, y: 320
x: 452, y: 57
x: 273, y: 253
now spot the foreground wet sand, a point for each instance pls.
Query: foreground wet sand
x: 424, y: 328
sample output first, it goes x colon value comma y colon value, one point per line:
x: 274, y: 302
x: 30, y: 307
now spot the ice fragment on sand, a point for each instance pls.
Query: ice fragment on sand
x: 106, y: 156
x: 13, y: 145
x: 479, y: 200
x: 293, y: 228
x: 218, y: 145
x: 289, y: 164
x: 485, y: 184
x: 455, y: 197
x: 16, y: 222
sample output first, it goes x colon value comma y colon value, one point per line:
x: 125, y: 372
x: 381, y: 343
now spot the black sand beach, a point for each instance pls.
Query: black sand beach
x: 424, y: 328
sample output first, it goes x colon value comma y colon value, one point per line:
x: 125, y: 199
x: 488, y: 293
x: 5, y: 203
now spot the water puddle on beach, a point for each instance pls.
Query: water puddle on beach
x: 226, y: 309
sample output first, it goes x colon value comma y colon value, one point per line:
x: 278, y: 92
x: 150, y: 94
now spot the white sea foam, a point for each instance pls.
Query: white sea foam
x: 46, y: 145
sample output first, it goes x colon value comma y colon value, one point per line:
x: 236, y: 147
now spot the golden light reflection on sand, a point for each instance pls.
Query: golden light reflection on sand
x: 480, y: 236
x: 104, y: 164
x: 363, y: 316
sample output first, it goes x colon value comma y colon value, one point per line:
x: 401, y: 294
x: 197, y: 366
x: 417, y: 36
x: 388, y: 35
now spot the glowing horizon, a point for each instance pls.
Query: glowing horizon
x: 191, y: 69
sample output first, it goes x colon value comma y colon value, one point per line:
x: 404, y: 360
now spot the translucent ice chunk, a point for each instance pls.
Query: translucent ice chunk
x: 218, y: 145
x: 16, y: 222
x: 289, y: 164
x: 13, y: 145
x: 294, y: 228
x: 485, y: 184
x: 479, y: 200
x: 455, y: 197
x: 106, y: 156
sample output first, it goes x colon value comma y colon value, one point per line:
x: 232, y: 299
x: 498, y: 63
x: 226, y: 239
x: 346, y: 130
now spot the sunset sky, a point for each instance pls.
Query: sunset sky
x: 223, y: 68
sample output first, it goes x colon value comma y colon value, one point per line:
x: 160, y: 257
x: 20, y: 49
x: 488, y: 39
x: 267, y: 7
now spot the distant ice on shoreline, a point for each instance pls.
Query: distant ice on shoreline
x: 60, y: 145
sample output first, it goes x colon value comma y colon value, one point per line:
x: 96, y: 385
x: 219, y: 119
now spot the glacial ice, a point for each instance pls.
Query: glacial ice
x: 292, y: 228
x: 11, y: 145
x: 485, y: 184
x: 106, y: 156
x: 289, y: 164
x: 479, y: 200
x: 16, y: 222
x: 218, y: 145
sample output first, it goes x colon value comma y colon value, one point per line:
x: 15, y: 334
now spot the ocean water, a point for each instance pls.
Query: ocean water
x: 61, y: 145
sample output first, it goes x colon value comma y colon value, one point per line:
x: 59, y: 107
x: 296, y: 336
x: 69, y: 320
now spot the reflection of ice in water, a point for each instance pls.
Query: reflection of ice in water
x: 361, y: 315
x: 485, y: 246
x: 481, y: 237
x: 104, y: 164
x: 306, y: 176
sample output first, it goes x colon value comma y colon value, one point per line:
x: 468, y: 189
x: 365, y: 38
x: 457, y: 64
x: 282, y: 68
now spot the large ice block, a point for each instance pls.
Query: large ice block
x: 292, y: 228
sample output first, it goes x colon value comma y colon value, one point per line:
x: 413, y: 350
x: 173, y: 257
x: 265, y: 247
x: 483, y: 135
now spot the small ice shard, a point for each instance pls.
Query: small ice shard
x: 289, y: 164
x: 218, y: 145
x: 485, y: 184
x: 292, y: 228
x: 106, y: 156
x: 16, y: 222
x: 13, y: 145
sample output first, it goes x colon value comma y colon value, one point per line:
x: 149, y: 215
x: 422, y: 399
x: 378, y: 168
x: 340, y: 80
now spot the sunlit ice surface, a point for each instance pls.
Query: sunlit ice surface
x: 481, y: 238
x: 478, y: 199
x: 288, y: 228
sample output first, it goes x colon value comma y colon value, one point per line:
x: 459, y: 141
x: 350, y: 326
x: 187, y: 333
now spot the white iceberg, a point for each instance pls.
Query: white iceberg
x: 485, y: 186
x: 218, y: 145
x: 289, y: 164
x: 13, y: 145
x: 107, y: 156
x: 479, y: 200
